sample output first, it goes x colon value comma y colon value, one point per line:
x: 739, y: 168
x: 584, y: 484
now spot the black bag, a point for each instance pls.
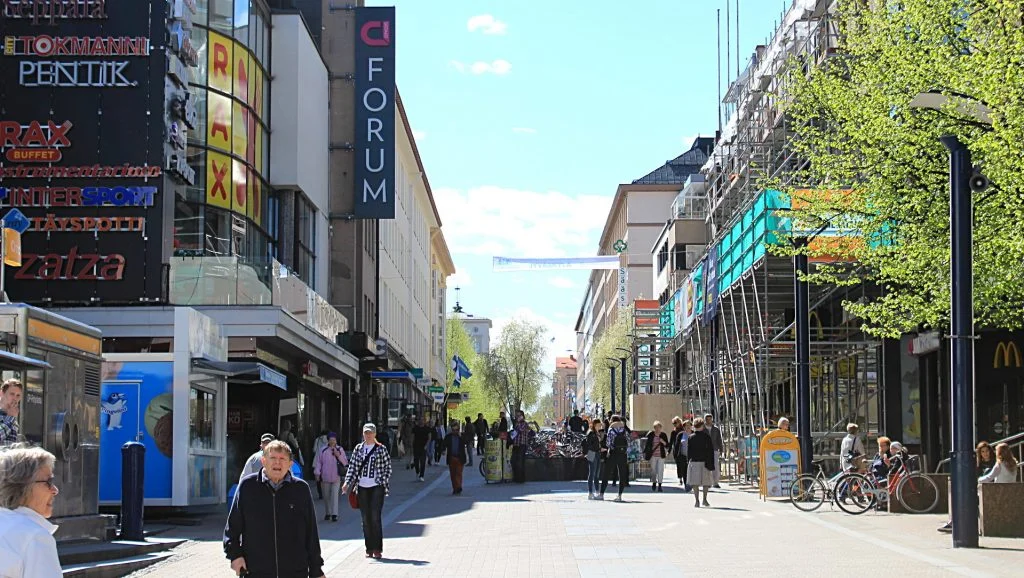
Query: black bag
x: 621, y: 441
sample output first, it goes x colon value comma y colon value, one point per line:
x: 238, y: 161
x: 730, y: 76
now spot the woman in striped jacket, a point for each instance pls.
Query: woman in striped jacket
x: 369, y: 476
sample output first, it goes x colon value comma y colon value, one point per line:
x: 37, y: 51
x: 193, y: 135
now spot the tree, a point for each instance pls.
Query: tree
x: 544, y: 412
x: 857, y: 133
x: 512, y: 371
x: 617, y: 335
x: 480, y: 401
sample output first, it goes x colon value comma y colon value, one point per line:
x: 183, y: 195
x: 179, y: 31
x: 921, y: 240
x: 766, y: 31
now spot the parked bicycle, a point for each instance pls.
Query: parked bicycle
x: 854, y: 493
x: 915, y: 491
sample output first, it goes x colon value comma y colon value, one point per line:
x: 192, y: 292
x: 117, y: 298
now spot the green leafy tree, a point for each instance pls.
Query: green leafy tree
x: 856, y: 132
x: 617, y: 335
x: 512, y: 371
x: 544, y: 411
x: 480, y: 401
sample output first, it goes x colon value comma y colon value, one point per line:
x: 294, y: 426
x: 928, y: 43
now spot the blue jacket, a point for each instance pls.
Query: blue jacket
x: 275, y: 531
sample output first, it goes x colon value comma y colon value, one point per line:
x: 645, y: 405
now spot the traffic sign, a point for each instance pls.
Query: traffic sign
x: 435, y: 389
x: 17, y: 221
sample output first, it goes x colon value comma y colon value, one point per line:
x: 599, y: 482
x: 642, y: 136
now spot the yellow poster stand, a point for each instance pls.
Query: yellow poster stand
x: 497, y: 467
x: 780, y: 463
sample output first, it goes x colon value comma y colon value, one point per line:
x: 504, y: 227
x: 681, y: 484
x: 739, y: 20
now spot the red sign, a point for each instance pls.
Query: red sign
x: 74, y: 266
x: 34, y: 142
x: 46, y: 46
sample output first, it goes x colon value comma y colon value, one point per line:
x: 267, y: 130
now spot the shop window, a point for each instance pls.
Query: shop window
x: 242, y: 21
x: 222, y: 15
x: 201, y: 411
x: 188, y: 240
x: 217, y: 232
x: 199, y: 40
x: 305, y: 240
x: 197, y: 160
x: 202, y: 9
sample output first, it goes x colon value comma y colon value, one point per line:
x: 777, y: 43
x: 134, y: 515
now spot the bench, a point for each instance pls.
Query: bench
x: 1002, y: 510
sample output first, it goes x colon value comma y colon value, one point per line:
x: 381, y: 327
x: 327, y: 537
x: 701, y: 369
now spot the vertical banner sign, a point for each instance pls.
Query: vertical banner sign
x: 711, y: 286
x: 623, y: 292
x: 375, y: 113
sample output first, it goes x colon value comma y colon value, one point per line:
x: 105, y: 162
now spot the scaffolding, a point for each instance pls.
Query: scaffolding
x: 739, y: 363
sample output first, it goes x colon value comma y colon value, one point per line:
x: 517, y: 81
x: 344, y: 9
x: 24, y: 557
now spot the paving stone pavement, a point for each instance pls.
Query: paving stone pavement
x: 551, y: 529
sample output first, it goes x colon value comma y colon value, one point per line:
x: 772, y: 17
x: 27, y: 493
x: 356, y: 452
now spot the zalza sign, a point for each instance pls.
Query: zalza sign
x: 74, y: 266
x: 74, y: 74
x: 35, y: 142
x: 375, y: 113
x: 53, y: 46
x: 52, y: 11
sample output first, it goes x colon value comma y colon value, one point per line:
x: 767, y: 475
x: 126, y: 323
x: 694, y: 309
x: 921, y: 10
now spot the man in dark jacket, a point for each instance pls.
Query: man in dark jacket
x: 420, y: 437
x: 271, y: 529
x: 481, y: 433
x: 456, y: 448
x: 576, y: 423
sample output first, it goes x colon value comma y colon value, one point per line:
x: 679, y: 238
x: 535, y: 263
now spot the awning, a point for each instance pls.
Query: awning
x: 20, y: 362
x: 233, y: 370
x: 393, y: 376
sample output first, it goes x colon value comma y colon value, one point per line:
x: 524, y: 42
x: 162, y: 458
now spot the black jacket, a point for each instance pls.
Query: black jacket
x: 576, y: 424
x: 275, y: 531
x: 592, y: 443
x: 450, y: 441
x: 700, y: 449
x: 421, y: 435
x: 648, y: 449
x: 481, y: 426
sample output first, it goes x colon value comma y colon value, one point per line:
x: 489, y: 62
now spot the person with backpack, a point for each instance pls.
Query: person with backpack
x: 655, y: 452
x: 616, y: 465
x: 700, y: 471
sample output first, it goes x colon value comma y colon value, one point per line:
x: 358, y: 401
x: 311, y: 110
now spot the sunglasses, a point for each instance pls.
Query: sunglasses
x: 49, y: 482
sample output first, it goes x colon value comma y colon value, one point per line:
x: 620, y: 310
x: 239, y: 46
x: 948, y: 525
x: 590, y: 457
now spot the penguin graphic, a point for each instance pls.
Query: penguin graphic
x: 114, y: 406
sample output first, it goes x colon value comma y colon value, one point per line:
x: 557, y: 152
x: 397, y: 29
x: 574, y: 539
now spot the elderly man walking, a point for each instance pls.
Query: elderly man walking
x: 271, y: 529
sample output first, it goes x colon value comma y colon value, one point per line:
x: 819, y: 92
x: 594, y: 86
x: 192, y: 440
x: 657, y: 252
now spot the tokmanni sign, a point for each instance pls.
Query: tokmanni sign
x: 375, y: 114
x: 84, y: 162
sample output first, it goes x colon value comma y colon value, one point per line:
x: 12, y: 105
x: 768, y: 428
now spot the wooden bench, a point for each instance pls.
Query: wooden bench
x: 1002, y: 510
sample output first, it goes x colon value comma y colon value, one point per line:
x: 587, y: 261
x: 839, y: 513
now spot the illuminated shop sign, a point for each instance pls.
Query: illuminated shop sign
x: 72, y: 266
x: 179, y: 168
x: 51, y: 11
x: 125, y: 171
x: 78, y: 196
x: 34, y: 142
x: 181, y: 44
x: 52, y: 46
x: 177, y: 135
x: 375, y: 113
x: 185, y: 109
x: 177, y: 70
x: 53, y: 223
x: 76, y: 74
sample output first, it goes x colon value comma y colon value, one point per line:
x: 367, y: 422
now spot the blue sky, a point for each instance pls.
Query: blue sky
x: 529, y: 113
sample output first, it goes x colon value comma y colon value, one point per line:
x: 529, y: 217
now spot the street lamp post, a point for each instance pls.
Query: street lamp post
x: 964, y: 508
x: 622, y: 361
x: 803, y: 356
x: 611, y: 369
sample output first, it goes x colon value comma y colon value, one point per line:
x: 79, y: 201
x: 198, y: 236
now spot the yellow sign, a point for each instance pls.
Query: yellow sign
x: 12, y: 247
x: 1007, y: 352
x: 780, y: 463
x: 51, y: 333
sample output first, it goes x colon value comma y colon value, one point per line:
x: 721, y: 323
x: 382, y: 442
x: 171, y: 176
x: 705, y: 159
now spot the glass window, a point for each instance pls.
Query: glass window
x: 199, y: 41
x: 202, y: 8
x: 201, y: 409
x: 221, y: 15
x: 187, y: 226
x: 242, y: 21
x: 217, y: 232
x: 198, y: 96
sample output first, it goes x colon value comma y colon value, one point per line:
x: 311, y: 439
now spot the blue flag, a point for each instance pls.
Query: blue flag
x: 461, y: 371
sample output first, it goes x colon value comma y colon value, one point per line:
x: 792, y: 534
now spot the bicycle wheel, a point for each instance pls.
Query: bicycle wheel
x: 482, y: 473
x: 854, y: 494
x: 807, y: 493
x: 917, y: 493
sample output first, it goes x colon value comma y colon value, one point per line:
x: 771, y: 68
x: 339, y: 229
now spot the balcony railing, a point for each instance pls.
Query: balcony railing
x: 231, y: 281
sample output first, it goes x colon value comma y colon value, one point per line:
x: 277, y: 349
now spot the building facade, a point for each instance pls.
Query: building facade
x: 563, y: 387
x: 479, y: 330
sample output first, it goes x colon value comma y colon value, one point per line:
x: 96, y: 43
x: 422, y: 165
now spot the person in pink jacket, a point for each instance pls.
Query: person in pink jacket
x: 327, y: 468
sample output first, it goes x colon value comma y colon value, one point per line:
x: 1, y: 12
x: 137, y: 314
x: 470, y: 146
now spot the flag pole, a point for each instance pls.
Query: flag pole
x: 3, y: 260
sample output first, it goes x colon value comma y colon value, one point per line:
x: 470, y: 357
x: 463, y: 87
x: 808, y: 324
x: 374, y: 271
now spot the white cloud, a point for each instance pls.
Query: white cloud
x: 562, y: 282
x: 497, y: 221
x: 486, y: 23
x: 461, y: 279
x: 418, y: 135
x: 499, y: 67
x: 524, y: 130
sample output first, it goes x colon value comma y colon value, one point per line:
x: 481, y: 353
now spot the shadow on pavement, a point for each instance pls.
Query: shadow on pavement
x: 399, y: 561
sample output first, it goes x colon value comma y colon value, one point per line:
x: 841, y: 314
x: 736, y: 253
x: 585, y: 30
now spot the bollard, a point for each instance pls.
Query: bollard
x: 133, y: 456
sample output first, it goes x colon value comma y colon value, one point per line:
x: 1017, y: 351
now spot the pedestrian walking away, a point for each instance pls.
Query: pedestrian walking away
x: 576, y: 423
x: 700, y: 468
x: 655, y: 452
x: 717, y: 443
x: 327, y: 468
x: 468, y: 438
x: 421, y: 440
x: 10, y: 408
x: 457, y: 450
x: 616, y: 465
x: 593, y: 451
x: 369, y: 476
x: 27, y: 490
x: 405, y: 439
x: 271, y: 529
x: 481, y: 433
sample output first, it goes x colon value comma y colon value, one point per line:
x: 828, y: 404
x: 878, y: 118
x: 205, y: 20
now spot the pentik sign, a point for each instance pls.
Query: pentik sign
x: 74, y: 74
x: 375, y: 113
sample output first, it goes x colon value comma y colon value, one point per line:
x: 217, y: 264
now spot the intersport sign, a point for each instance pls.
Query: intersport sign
x: 375, y: 113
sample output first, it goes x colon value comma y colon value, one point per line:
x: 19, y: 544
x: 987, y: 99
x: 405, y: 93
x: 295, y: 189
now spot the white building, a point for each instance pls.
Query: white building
x: 479, y: 330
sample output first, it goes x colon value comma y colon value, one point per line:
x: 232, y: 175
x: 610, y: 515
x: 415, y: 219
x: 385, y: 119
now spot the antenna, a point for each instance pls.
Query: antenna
x: 719, y: 15
x: 737, y: 38
x: 458, y: 307
x: 728, y: 44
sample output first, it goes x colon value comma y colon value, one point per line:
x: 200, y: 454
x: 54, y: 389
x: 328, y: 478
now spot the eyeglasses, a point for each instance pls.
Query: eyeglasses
x: 49, y: 483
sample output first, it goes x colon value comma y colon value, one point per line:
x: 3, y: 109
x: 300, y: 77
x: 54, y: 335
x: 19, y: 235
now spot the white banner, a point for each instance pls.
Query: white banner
x: 589, y: 263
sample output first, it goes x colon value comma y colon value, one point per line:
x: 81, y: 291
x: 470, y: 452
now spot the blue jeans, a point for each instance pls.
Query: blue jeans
x: 593, y: 477
x: 371, y: 503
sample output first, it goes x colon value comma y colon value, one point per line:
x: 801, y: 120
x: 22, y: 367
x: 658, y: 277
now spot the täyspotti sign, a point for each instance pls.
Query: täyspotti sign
x: 375, y: 113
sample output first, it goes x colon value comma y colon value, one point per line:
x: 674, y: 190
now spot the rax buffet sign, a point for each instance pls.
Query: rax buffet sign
x: 82, y: 149
x: 375, y: 113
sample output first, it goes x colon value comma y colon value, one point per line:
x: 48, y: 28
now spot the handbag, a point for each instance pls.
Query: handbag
x: 353, y: 496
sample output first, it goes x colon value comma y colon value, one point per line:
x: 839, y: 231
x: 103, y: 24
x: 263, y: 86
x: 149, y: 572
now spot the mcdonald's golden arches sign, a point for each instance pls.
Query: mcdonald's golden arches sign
x: 1007, y: 355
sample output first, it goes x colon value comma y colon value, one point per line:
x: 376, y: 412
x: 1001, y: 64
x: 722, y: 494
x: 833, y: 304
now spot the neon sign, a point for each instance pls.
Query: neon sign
x: 52, y: 46
x: 50, y: 11
x: 77, y: 74
x: 34, y: 142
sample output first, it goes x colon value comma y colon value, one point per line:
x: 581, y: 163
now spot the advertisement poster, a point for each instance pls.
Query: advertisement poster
x: 780, y: 463
x: 136, y: 403
x: 711, y: 286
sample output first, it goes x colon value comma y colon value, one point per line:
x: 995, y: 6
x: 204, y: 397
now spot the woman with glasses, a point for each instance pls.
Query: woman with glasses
x: 27, y: 546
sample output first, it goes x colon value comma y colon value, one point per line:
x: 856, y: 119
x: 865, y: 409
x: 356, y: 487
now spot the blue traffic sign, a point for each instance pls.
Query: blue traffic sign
x: 15, y: 219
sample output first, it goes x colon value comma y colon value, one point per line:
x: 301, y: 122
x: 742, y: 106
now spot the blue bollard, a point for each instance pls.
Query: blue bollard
x: 133, y: 457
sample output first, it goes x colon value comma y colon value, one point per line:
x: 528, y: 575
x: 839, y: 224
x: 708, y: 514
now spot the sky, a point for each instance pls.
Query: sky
x: 529, y: 113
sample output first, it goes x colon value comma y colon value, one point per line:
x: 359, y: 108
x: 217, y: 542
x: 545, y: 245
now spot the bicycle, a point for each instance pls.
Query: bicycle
x: 916, y: 492
x: 852, y: 492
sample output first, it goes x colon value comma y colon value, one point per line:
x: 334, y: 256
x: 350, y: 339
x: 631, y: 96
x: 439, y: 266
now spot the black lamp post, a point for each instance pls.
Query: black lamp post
x: 622, y: 362
x: 611, y: 370
x: 803, y: 356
